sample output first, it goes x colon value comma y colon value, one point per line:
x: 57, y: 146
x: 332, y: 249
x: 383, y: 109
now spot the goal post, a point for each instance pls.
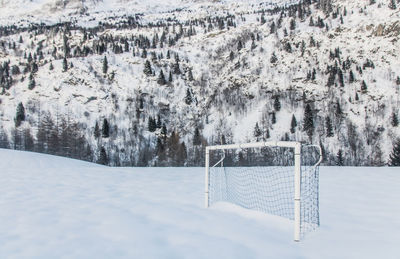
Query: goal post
x: 268, y: 186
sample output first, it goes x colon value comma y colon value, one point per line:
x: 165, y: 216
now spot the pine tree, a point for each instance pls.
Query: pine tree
x: 273, y: 58
x: 364, y: 87
x: 277, y: 103
x: 65, y: 65
x: 257, y: 131
x: 272, y: 28
x: 190, y: 75
x: 105, y: 65
x: 239, y: 46
x: 340, y: 76
x: 308, y: 121
x: 392, y: 4
x: 196, y: 137
x: 20, y: 115
x: 329, y: 128
x: 31, y: 83
x: 161, y: 78
x: 170, y: 77
x: 292, y: 24
x: 339, y: 158
x: 351, y: 77
x: 273, y: 118
x: 147, y: 68
x: 103, y: 159
x: 293, y: 124
x: 394, y: 157
x: 105, y: 131
x: 96, y: 131
x: 395, y: 120
x: 188, y: 98
x: 152, y: 126
x: 51, y: 67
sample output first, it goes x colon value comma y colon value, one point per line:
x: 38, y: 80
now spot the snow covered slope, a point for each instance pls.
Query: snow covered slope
x: 52, y: 207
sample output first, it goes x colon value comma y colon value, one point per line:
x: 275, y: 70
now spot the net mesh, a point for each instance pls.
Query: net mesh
x: 262, y: 179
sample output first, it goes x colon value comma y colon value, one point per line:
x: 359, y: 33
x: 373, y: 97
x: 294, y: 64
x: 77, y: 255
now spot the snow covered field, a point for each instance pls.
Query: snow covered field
x: 52, y: 207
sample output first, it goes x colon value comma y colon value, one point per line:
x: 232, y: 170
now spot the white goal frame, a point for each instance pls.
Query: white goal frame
x: 297, y: 174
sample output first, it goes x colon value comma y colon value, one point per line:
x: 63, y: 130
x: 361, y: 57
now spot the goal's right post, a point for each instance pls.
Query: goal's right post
x: 297, y: 191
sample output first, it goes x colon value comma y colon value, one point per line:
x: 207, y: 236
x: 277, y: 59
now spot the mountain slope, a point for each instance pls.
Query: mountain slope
x: 220, y: 79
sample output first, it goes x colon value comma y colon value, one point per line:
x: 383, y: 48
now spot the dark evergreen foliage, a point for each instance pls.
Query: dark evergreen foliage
x: 148, y: 71
x: 105, y: 131
x: 96, y: 132
x: 65, y: 65
x: 188, y: 98
x: 293, y: 124
x: 395, y: 120
x: 328, y: 127
x: 105, y: 65
x: 103, y: 158
x: 161, y: 78
x: 339, y: 158
x: 257, y: 131
x: 394, y: 157
x: 20, y: 115
x: 277, y: 103
x: 308, y: 124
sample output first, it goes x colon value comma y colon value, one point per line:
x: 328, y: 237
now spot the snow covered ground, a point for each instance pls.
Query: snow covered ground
x: 52, y: 207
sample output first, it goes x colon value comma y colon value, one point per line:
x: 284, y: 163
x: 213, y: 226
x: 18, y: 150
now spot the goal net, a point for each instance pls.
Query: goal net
x: 279, y: 178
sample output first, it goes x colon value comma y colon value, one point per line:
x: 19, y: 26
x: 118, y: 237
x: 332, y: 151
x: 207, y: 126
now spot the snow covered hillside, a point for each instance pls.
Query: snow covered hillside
x: 52, y: 207
x: 153, y: 86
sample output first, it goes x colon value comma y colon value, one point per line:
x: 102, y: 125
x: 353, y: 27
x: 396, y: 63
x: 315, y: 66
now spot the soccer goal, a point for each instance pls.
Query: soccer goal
x: 279, y: 178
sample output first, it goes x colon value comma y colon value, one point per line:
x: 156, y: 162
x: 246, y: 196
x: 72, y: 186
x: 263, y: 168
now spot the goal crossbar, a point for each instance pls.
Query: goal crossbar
x: 297, y: 171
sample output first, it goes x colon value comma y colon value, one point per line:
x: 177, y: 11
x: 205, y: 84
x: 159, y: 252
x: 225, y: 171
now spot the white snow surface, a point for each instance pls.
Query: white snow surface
x: 52, y: 207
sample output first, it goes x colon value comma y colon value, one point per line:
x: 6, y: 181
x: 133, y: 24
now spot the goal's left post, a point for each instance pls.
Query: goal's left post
x: 207, y: 178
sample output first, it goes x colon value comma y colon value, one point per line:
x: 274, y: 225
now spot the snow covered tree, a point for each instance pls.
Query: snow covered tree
x: 392, y: 4
x: 51, y: 67
x: 151, y: 125
x: 105, y: 131
x: 103, y: 158
x: 20, y: 115
x: 395, y: 120
x: 273, y: 58
x: 364, y: 87
x: 96, y: 131
x: 65, y: 65
x: 339, y: 158
x: 32, y: 82
x: 293, y: 124
x: 292, y: 24
x: 196, y: 137
x: 328, y: 127
x: 190, y: 75
x: 308, y: 124
x: 147, y: 68
x: 188, y: 98
x: 272, y: 28
x: 257, y: 131
x: 351, y: 77
x: 170, y: 77
x: 105, y: 65
x: 161, y: 78
x: 239, y: 46
x: 277, y: 103
x: 394, y: 157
